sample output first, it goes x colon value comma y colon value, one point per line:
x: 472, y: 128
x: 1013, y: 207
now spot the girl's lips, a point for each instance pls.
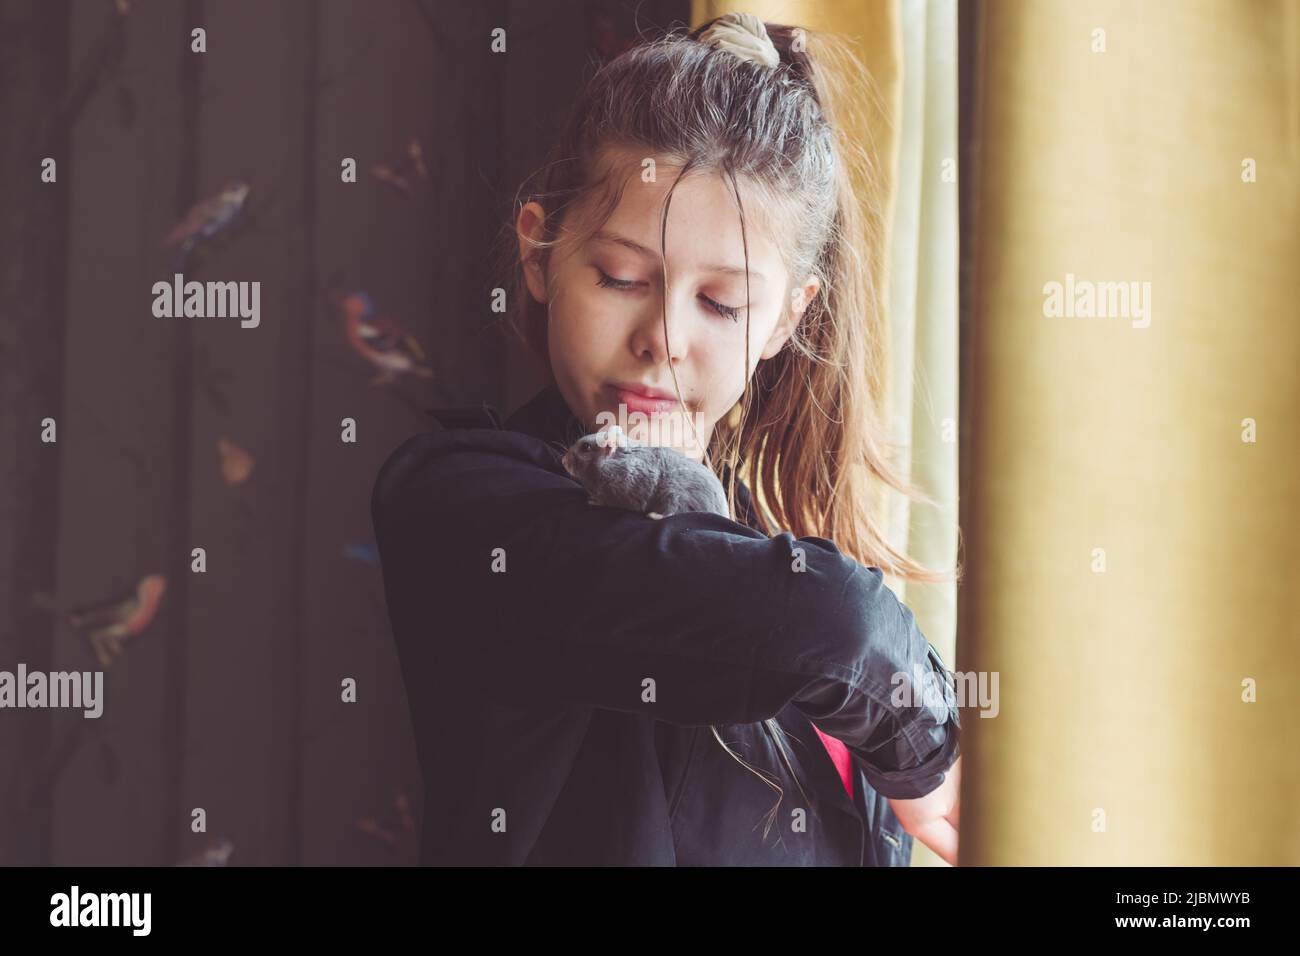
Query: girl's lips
x: 637, y: 402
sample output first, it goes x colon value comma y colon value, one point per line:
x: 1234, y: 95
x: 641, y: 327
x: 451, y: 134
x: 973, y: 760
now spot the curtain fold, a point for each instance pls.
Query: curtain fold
x: 923, y: 313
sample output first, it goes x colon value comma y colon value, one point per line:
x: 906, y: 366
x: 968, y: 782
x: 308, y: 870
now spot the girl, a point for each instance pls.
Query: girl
x: 590, y: 686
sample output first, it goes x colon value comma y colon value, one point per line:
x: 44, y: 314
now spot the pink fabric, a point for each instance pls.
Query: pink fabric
x: 840, y: 755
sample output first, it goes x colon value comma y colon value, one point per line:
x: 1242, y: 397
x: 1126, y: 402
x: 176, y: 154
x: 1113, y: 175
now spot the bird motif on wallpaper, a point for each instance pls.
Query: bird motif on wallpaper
x: 406, y: 173
x: 106, y: 624
x: 236, y: 464
x: 206, y: 219
x: 398, y: 834
x: 381, y: 341
x: 360, y: 551
x: 216, y: 852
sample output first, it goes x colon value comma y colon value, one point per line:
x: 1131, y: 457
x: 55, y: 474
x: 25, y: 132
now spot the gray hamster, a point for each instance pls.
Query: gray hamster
x: 655, y: 480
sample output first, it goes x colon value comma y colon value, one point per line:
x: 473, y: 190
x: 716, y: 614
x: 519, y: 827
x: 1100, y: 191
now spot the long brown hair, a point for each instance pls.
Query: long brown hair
x: 809, y: 432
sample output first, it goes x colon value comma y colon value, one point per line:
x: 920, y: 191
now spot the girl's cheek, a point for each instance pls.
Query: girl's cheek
x: 594, y: 303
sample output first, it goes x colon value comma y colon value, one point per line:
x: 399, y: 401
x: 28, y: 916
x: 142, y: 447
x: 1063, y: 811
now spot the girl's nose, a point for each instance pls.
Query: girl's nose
x: 649, y: 338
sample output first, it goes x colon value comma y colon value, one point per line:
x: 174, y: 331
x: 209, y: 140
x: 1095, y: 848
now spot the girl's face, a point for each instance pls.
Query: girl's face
x: 605, y: 302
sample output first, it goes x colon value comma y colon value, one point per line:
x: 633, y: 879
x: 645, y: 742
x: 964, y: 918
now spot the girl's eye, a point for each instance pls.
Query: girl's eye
x: 726, y: 311
x: 609, y: 282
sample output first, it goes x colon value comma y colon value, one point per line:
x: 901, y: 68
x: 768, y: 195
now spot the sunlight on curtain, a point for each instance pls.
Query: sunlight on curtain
x: 923, y: 276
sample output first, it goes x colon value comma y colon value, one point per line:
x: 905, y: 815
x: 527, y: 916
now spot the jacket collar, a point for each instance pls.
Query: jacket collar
x: 547, y: 416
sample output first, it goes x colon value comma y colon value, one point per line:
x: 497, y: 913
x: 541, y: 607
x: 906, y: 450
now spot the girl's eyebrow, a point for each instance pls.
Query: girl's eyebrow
x: 605, y: 236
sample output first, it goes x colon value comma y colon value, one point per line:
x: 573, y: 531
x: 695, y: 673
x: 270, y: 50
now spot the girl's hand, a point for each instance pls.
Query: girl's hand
x: 933, y: 818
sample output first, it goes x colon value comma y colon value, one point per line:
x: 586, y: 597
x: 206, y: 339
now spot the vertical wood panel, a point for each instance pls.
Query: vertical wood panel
x: 180, y: 540
x: 118, y: 486
x: 33, y: 263
x: 299, y: 426
x: 243, y: 694
x: 379, y: 88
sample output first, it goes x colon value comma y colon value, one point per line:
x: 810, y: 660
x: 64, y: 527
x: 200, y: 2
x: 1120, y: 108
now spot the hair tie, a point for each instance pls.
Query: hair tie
x: 744, y: 35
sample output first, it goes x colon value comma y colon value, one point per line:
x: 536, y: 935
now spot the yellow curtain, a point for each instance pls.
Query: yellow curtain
x: 1131, y: 504
x: 910, y: 122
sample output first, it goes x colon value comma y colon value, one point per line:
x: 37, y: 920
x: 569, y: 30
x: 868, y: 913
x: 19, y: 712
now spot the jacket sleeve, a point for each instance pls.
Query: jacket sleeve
x: 499, y: 573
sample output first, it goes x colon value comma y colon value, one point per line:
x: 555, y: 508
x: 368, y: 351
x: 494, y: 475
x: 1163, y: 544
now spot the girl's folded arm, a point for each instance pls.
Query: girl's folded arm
x: 530, y: 591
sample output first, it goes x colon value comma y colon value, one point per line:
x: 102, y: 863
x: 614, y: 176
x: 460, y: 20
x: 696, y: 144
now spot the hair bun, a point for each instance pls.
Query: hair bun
x: 745, y: 35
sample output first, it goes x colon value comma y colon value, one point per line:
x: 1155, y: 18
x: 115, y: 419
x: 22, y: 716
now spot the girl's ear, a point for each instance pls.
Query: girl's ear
x: 529, y: 228
x: 788, y: 321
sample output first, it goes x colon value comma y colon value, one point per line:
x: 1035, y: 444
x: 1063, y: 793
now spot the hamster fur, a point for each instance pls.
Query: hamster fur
x: 655, y: 480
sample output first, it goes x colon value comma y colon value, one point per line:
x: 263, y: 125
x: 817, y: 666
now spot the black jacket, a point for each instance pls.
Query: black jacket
x: 527, y: 684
